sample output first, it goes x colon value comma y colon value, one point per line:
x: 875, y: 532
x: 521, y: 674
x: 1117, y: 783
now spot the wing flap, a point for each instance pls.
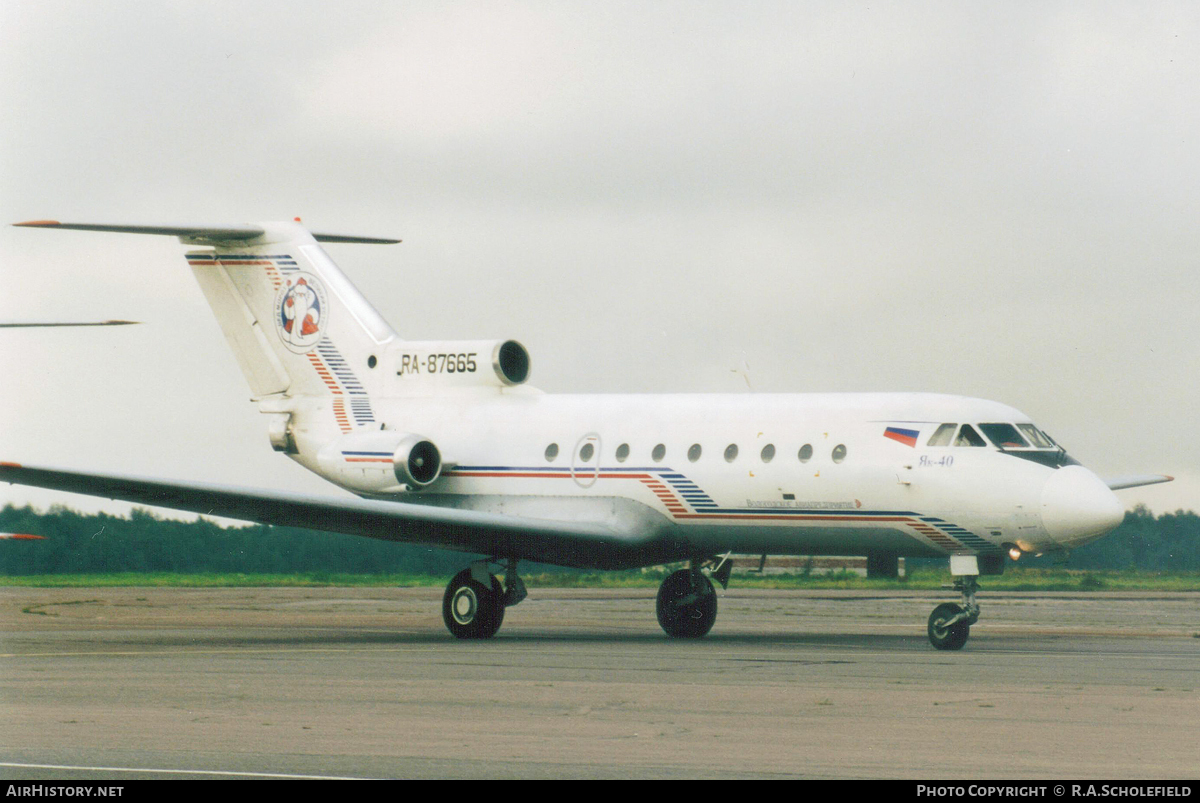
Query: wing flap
x: 566, y: 543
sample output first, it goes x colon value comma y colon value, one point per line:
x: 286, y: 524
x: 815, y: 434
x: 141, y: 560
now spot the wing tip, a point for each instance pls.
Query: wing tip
x: 323, y: 237
x: 43, y: 224
x: 1142, y: 480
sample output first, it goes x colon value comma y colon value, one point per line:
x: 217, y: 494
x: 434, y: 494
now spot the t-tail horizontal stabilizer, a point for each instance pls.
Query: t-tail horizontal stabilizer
x: 195, y: 234
x: 11, y: 325
x: 295, y: 323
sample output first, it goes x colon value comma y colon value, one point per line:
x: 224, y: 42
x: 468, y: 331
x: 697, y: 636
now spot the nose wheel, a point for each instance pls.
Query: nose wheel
x: 950, y: 623
x: 947, y: 629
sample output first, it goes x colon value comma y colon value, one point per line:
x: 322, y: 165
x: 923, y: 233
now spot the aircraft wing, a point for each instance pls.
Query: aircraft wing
x: 1117, y: 483
x: 566, y: 543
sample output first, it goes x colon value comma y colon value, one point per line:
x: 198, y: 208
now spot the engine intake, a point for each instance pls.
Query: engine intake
x: 511, y: 362
x: 381, y: 461
x: 422, y: 365
x: 417, y: 462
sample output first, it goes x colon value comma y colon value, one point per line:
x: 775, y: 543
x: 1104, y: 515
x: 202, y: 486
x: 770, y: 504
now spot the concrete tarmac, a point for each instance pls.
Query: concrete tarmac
x: 99, y: 683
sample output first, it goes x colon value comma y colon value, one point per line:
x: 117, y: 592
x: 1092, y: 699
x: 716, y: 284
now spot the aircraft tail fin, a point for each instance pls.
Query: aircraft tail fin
x: 295, y: 323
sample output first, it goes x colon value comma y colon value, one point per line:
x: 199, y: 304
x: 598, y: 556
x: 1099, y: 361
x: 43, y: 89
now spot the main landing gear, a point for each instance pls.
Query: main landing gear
x: 687, y: 600
x: 474, y: 602
x: 950, y: 624
x: 475, y: 599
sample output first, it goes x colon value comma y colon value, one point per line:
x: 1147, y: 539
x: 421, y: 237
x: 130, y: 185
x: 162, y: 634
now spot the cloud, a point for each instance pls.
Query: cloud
x: 997, y: 202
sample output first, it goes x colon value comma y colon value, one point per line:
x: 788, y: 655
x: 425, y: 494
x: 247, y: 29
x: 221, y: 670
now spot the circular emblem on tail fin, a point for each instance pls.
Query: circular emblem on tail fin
x: 301, y: 312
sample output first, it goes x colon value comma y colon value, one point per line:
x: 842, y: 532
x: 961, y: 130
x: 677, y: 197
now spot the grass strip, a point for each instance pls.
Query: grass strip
x: 918, y: 580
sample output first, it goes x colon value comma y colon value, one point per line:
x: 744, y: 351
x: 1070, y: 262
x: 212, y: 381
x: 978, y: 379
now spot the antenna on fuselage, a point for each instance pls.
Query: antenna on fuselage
x: 744, y: 371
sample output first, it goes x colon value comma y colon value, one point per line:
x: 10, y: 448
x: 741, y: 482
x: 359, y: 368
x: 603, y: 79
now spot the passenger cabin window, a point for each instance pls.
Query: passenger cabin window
x: 1004, y: 435
x: 768, y: 453
x: 585, y: 454
x: 805, y: 453
x: 694, y: 452
x: 731, y: 452
x: 551, y: 452
x: 1038, y: 438
x: 943, y: 435
x: 622, y: 452
x: 839, y: 453
x: 660, y: 451
x: 967, y: 436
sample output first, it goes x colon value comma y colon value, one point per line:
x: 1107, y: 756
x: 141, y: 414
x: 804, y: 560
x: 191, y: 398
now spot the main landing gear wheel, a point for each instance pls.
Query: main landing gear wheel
x: 947, y: 636
x: 471, y: 609
x: 687, y: 604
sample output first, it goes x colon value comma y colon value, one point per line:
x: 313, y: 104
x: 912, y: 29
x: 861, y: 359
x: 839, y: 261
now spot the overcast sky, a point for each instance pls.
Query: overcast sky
x: 997, y: 200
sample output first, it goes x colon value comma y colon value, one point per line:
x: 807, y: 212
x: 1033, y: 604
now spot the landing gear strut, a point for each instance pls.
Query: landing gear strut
x: 474, y: 602
x: 687, y: 604
x: 950, y: 624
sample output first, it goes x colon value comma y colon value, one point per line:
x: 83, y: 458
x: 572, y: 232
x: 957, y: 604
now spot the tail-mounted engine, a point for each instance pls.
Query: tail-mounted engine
x: 279, y: 430
x: 381, y: 461
x: 419, y: 365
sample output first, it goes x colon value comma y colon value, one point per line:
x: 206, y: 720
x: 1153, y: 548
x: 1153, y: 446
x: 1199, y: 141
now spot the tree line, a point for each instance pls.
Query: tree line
x: 78, y: 543
x: 1169, y: 542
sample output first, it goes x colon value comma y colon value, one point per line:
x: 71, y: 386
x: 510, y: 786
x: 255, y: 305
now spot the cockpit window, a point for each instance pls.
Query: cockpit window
x: 1004, y: 435
x: 1039, y: 439
x: 967, y: 436
x: 942, y: 435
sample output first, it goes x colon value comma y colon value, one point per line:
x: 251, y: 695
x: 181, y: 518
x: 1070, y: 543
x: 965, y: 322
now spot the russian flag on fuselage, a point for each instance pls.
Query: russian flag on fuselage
x: 906, y: 436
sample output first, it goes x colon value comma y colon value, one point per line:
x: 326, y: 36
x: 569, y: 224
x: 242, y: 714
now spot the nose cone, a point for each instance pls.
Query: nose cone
x: 1077, y: 506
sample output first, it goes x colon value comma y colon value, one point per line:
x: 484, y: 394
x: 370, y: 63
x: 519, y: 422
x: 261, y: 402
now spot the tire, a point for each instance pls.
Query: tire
x: 470, y: 609
x: 686, y: 605
x: 947, y: 638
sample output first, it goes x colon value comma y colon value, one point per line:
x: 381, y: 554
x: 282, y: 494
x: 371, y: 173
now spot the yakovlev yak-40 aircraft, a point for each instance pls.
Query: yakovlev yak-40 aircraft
x: 446, y: 445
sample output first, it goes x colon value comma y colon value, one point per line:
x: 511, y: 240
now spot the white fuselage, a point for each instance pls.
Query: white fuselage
x: 812, y: 473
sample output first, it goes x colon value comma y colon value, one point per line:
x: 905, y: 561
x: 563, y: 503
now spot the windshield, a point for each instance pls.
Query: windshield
x: 967, y: 436
x: 943, y: 435
x: 1020, y: 440
x: 1040, y: 439
x: 1004, y: 435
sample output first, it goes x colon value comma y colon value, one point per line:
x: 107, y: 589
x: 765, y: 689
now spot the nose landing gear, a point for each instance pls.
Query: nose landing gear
x: 950, y: 624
